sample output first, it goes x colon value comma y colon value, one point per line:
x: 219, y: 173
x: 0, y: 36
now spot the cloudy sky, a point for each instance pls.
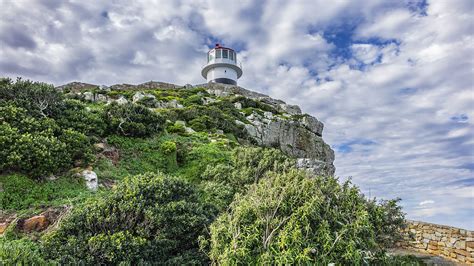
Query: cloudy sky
x: 391, y: 80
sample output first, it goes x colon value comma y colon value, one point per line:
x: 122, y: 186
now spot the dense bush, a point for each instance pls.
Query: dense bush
x: 75, y: 115
x: 38, y: 146
x: 20, y: 252
x: 288, y: 218
x: 147, y: 218
x: 40, y: 99
x: 132, y: 120
x: 40, y: 133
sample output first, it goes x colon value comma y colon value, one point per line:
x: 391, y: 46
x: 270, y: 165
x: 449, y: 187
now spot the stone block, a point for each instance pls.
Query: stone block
x: 461, y: 258
x: 462, y: 252
x: 460, y: 244
x: 470, y: 244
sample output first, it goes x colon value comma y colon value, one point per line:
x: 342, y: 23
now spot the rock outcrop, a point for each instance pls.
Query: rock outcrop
x: 92, y: 182
x: 297, y: 135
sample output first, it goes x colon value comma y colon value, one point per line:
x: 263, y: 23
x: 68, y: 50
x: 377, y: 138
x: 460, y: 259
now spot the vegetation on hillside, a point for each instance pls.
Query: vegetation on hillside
x: 177, y: 196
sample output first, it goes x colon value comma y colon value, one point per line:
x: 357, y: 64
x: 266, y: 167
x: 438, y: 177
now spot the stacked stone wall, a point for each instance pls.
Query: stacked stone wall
x: 449, y: 242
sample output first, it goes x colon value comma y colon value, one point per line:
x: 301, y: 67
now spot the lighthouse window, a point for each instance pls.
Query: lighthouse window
x: 211, y: 56
x: 231, y: 55
x: 225, y: 54
x: 218, y: 53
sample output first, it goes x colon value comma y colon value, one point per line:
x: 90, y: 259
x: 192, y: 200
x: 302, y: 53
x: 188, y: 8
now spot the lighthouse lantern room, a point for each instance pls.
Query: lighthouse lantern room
x: 222, y: 66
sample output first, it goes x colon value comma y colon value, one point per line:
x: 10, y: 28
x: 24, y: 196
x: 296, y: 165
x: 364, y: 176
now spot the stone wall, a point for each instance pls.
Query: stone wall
x: 452, y: 243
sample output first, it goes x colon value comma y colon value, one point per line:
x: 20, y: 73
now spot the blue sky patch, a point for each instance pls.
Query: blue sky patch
x: 346, y: 147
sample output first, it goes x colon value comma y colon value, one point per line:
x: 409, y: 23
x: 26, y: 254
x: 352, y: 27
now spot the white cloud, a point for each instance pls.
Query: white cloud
x: 425, y: 202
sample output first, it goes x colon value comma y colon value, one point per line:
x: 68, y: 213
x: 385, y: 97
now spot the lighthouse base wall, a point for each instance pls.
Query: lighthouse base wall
x: 224, y: 81
x: 224, y: 75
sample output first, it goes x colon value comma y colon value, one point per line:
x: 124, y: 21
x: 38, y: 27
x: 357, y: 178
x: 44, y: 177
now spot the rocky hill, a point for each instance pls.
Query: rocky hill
x: 161, y: 173
x: 281, y: 126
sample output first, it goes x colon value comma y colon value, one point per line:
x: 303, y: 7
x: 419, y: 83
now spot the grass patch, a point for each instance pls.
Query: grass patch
x: 192, y: 155
x: 20, y: 192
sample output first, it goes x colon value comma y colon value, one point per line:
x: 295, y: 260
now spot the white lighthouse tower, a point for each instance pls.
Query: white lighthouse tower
x: 222, y: 66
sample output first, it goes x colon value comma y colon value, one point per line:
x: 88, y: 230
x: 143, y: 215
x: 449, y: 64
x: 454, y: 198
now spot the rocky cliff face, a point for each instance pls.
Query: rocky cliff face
x: 298, y: 135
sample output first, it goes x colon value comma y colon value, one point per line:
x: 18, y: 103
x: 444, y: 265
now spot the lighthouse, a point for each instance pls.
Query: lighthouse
x: 222, y: 66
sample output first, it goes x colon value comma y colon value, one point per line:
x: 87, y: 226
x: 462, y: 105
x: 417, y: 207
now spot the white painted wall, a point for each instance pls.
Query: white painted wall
x: 221, y: 72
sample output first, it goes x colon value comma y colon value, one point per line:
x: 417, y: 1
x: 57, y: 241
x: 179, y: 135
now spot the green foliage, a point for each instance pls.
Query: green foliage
x: 288, y: 218
x: 77, y: 146
x: 168, y: 147
x: 193, y: 100
x: 38, y: 146
x: 254, y: 104
x: 40, y: 133
x: 148, y: 102
x: 40, y: 99
x: 218, y: 115
x: 169, y: 150
x: 149, y: 218
x: 75, y: 115
x: 245, y: 167
x: 132, y: 120
x: 176, y: 128
x: 137, y: 155
x: 21, y: 252
x: 20, y: 192
x: 195, y: 155
x: 235, y: 171
x: 388, y: 218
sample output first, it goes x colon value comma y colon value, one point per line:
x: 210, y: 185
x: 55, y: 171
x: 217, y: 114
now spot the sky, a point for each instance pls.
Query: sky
x: 391, y: 80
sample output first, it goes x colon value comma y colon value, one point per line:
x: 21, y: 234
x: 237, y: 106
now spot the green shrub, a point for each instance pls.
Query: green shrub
x: 137, y: 155
x: 193, y: 100
x: 168, y: 148
x: 132, y: 120
x: 149, y: 218
x: 176, y: 128
x: 37, y: 154
x: 75, y: 115
x: 39, y: 99
x: 221, y: 180
x: 288, y: 218
x: 21, y: 252
x: 38, y: 146
x: 247, y: 166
